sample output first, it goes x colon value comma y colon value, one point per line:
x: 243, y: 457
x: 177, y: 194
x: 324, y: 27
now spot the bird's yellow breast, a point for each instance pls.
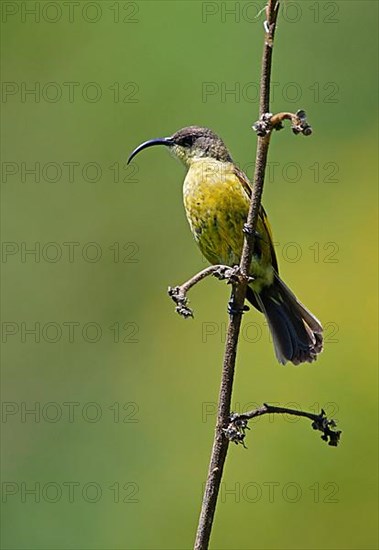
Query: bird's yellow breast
x: 216, y: 206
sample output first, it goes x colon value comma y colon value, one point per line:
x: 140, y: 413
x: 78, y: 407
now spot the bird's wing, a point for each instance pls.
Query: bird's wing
x: 243, y: 179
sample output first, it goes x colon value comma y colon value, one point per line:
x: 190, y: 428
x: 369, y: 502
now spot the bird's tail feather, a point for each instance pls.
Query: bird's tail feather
x: 296, y: 332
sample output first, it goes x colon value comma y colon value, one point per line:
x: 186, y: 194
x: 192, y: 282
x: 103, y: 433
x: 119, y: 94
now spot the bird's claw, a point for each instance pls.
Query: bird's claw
x: 248, y: 231
x: 233, y: 310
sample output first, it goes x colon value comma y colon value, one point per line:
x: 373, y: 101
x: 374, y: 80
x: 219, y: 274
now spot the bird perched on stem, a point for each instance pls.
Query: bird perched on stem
x: 216, y: 200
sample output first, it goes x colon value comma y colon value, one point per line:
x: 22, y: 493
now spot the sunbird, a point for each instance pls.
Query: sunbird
x: 216, y: 197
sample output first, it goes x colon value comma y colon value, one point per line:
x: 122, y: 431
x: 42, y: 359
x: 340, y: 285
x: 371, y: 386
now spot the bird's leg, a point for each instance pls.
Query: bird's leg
x: 233, y: 276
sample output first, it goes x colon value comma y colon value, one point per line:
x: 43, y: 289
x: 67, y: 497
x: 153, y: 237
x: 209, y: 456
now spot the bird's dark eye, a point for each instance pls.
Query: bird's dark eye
x: 187, y: 141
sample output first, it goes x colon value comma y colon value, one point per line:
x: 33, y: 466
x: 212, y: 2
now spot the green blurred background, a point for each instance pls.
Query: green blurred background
x: 124, y: 389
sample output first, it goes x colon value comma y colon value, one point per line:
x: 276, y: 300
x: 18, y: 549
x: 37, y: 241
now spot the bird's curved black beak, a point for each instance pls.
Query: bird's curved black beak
x: 158, y: 141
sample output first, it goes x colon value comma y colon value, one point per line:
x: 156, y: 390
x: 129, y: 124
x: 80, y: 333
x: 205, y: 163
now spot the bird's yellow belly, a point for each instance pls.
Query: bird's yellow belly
x: 216, y: 206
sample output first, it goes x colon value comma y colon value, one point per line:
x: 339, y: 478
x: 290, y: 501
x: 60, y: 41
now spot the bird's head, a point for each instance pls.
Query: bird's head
x: 189, y: 144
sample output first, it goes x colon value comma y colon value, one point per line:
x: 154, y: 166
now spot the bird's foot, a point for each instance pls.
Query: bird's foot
x: 233, y: 310
x: 248, y: 231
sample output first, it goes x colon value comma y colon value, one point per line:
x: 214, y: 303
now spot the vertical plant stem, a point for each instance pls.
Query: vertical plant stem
x: 221, y: 442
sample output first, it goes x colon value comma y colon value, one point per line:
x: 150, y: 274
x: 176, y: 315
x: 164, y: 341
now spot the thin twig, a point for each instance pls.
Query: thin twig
x: 179, y: 293
x: 238, y: 423
x: 221, y: 442
x: 268, y: 122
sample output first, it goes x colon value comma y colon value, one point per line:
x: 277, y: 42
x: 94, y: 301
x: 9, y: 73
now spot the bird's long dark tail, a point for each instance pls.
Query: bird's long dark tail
x: 297, y: 334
